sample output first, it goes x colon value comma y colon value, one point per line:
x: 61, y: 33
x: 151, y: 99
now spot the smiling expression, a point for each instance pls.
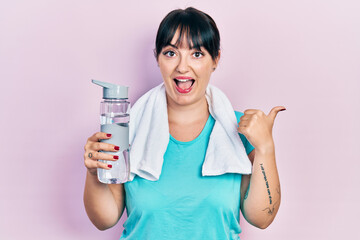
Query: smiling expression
x: 186, y: 71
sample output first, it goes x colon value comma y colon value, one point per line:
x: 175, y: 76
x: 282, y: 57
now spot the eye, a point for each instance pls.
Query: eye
x: 198, y: 54
x: 169, y: 53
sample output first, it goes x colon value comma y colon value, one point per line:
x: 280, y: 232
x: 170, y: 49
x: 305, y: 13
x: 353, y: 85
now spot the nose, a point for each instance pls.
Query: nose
x: 183, y: 65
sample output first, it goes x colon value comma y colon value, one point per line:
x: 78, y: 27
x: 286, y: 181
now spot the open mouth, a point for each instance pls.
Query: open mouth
x: 184, y: 85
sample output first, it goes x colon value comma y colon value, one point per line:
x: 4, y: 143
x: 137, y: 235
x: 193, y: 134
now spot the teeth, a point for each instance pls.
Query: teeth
x: 183, y: 80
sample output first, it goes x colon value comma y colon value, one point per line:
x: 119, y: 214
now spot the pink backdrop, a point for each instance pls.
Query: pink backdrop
x: 304, y: 55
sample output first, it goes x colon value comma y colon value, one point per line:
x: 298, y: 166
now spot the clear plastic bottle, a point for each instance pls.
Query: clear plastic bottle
x: 114, y: 119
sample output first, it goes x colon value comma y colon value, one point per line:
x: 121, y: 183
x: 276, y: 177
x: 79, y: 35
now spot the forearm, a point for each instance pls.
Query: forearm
x: 100, y: 203
x: 263, y: 199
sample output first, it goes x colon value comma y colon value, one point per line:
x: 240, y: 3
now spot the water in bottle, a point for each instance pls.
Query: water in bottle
x: 114, y: 119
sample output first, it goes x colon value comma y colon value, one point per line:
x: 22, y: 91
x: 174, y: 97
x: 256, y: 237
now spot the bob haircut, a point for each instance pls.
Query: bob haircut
x: 199, y: 28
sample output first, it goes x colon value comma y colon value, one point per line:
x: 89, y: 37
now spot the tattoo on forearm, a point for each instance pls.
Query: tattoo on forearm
x: 266, y: 182
x: 270, y: 210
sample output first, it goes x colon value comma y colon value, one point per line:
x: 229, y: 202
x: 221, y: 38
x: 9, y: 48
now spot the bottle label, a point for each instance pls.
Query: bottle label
x: 119, y: 135
x: 120, y: 171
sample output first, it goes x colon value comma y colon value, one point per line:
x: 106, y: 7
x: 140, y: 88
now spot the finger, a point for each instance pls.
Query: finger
x: 242, y: 130
x: 101, y: 155
x: 243, y: 124
x: 251, y: 111
x: 244, y: 118
x: 274, y: 111
x: 101, y: 146
x: 93, y: 164
x: 98, y: 136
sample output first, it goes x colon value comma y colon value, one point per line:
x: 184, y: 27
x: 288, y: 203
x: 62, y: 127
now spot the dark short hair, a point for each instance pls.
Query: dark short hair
x: 199, y: 27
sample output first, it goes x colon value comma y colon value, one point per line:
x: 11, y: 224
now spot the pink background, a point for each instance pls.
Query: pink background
x: 304, y: 55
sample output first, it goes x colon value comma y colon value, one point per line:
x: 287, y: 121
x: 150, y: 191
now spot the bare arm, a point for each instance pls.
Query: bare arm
x: 104, y: 203
x: 261, y: 203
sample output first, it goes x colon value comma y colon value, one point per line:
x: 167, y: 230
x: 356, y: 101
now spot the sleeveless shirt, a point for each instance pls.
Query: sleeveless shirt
x: 183, y: 204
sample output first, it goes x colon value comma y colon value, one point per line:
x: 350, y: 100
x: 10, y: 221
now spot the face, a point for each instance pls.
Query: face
x: 186, y: 72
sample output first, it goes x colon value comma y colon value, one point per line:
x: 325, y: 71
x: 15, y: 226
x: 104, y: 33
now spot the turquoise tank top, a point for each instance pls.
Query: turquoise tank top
x: 183, y: 204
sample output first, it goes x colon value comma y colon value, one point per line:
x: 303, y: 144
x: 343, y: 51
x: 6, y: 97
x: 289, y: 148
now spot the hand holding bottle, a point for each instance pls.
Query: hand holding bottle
x: 114, y: 119
x: 92, y: 154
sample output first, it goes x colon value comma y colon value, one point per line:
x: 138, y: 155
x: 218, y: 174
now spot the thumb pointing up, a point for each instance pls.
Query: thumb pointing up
x: 257, y: 126
x: 274, y: 111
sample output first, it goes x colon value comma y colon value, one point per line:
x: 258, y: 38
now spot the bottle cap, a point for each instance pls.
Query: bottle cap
x: 112, y: 91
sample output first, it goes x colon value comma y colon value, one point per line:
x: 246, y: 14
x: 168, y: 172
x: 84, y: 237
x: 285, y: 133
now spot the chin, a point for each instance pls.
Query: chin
x: 182, y: 100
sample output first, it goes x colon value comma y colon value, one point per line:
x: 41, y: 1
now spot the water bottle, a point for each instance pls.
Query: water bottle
x: 114, y: 119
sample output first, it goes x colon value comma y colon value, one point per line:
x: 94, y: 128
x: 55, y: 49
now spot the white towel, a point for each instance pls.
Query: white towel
x: 149, y: 136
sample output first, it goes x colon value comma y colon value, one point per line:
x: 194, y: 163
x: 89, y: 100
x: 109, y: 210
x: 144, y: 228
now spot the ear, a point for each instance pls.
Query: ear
x: 216, y: 61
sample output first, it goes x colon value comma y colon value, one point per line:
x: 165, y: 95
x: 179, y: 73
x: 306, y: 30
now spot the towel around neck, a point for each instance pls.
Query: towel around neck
x: 149, y: 136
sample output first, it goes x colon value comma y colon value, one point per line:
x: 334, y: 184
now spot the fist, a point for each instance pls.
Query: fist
x: 257, y: 127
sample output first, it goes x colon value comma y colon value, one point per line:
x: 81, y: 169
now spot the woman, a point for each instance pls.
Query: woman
x: 183, y: 204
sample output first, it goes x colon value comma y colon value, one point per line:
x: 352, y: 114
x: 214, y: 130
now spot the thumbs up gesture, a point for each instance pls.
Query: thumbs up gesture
x: 257, y: 127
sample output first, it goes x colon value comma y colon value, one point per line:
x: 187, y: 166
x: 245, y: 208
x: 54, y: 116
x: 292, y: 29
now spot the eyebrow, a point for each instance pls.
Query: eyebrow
x: 174, y: 46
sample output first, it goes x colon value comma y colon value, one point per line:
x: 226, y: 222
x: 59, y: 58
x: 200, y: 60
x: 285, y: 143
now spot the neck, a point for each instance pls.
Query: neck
x: 187, y: 114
